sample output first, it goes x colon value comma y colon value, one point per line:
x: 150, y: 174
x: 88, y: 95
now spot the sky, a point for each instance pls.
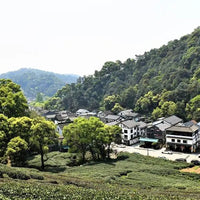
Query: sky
x: 79, y: 36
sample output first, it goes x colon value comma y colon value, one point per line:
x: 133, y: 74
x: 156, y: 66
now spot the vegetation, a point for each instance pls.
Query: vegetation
x: 91, y: 135
x: 165, y: 79
x: 19, y: 136
x: 12, y: 101
x: 131, y: 176
x: 34, y: 82
x: 43, y: 134
x: 19, y: 133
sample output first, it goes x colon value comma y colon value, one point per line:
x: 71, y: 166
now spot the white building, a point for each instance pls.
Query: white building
x: 182, y: 138
x: 132, y: 131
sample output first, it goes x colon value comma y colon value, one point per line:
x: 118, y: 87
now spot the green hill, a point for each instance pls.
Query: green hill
x: 33, y: 81
x: 164, y: 81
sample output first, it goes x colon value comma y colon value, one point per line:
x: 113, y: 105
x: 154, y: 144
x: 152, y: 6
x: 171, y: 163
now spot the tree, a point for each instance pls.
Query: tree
x: 12, y: 101
x: 193, y: 108
x: 90, y: 135
x: 110, y: 101
x: 128, y: 97
x: 16, y: 151
x: 77, y: 136
x: 157, y: 112
x: 168, y: 108
x: 20, y: 126
x: 117, y: 108
x: 113, y: 135
x: 4, y: 134
x: 43, y: 134
x: 39, y: 97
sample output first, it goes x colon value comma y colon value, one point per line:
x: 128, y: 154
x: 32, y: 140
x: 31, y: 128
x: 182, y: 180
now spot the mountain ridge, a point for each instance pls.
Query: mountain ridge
x: 34, y: 81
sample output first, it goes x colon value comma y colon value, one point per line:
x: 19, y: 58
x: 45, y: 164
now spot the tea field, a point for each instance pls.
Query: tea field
x: 130, y: 176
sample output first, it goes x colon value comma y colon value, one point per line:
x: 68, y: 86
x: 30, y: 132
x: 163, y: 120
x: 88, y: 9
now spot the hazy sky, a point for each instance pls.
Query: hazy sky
x: 79, y: 36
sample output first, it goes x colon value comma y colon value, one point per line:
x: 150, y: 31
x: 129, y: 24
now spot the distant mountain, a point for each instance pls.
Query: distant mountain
x: 34, y: 81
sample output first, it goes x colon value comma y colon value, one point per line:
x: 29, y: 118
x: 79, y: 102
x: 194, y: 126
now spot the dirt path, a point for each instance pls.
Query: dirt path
x: 195, y: 169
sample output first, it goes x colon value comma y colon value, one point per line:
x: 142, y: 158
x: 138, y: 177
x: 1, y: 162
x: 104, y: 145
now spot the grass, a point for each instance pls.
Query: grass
x: 131, y: 176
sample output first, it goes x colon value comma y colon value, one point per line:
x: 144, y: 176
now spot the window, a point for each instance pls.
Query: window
x: 125, y: 131
x: 185, y: 141
x: 125, y: 136
x: 131, y: 130
x: 179, y: 141
x: 131, y: 136
x: 173, y: 140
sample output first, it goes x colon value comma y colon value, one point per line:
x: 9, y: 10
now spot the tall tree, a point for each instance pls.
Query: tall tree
x: 77, y: 136
x: 43, y: 134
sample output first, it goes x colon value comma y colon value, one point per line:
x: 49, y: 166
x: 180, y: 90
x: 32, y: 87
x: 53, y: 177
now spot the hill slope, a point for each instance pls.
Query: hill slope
x: 131, y: 176
x: 33, y: 81
x: 169, y: 74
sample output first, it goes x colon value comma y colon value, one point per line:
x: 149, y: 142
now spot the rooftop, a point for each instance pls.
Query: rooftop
x: 173, y: 120
x: 130, y: 123
x: 190, y: 129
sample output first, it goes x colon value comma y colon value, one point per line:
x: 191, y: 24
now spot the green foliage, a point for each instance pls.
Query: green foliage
x: 20, y: 126
x: 110, y: 102
x: 131, y: 176
x: 157, y: 112
x: 172, y: 71
x: 20, y: 173
x: 4, y: 134
x: 42, y: 134
x: 16, y: 151
x: 90, y: 135
x: 168, y: 108
x: 193, y: 108
x: 12, y: 100
x: 39, y: 97
x: 34, y: 81
x: 117, y: 108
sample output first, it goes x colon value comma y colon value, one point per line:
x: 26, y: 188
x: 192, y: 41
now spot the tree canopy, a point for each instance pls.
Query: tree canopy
x: 168, y: 74
x: 90, y: 135
x: 12, y: 101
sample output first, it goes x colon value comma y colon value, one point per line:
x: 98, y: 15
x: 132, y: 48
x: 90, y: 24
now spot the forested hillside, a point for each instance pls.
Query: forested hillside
x: 158, y: 83
x: 33, y: 81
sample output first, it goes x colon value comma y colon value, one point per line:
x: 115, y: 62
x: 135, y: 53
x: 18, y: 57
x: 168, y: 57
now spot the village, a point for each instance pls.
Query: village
x: 167, y: 138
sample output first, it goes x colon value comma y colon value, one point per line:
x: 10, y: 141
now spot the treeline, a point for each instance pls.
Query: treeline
x: 160, y: 82
x: 23, y: 132
x: 19, y: 133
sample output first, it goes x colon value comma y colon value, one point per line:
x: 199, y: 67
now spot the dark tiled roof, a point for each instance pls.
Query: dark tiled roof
x: 190, y: 129
x: 130, y: 123
x: 173, y: 120
x: 112, y: 123
x: 51, y: 116
x: 142, y: 124
x: 113, y: 117
x: 162, y: 126
x: 128, y: 113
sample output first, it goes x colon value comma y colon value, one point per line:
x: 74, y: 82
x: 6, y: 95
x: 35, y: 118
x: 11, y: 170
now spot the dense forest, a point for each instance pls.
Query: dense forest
x: 160, y: 82
x: 33, y: 81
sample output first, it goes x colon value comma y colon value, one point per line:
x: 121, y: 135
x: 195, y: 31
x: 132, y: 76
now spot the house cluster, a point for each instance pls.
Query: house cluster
x: 170, y: 131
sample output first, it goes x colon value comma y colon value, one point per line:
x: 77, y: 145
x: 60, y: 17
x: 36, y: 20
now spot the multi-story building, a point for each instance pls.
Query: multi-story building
x: 182, y: 138
x: 132, y: 131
